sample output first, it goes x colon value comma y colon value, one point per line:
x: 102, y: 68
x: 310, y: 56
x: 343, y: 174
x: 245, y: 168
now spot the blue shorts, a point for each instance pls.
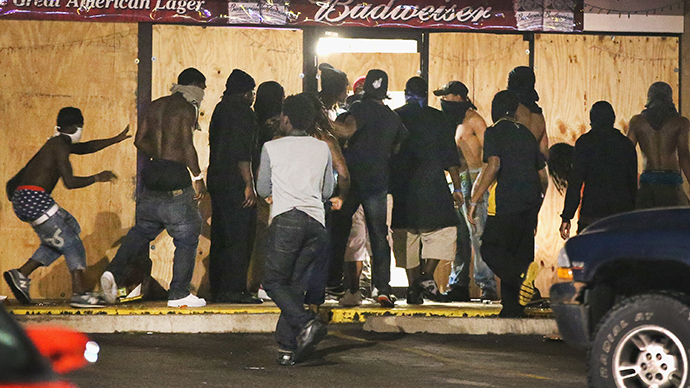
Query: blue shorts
x: 57, y: 229
x: 59, y: 236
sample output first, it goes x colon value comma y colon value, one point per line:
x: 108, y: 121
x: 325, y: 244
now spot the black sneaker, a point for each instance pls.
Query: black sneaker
x: 286, y: 357
x: 312, y: 333
x: 414, y: 295
x: 87, y: 300
x: 19, y: 285
x: 429, y: 289
x: 489, y: 295
x: 386, y: 300
x: 456, y: 294
x: 237, y: 298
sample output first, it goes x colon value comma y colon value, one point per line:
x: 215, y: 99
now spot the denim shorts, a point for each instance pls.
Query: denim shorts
x: 59, y: 236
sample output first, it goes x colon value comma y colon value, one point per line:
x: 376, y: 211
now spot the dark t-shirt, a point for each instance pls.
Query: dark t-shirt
x: 232, y: 138
x: 421, y: 198
x: 164, y: 175
x: 368, y: 152
x: 518, y: 187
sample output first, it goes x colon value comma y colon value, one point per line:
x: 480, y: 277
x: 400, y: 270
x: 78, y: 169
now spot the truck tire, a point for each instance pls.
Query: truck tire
x: 642, y: 342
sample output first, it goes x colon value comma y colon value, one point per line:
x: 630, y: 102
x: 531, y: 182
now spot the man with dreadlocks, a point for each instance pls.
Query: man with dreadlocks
x: 521, y: 82
x: 663, y: 137
x: 605, y: 162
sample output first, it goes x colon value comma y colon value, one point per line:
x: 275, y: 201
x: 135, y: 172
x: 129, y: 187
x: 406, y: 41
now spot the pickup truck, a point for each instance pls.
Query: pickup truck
x: 624, y: 294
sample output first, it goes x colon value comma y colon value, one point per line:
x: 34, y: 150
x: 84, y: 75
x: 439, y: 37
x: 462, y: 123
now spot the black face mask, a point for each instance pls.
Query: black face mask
x: 455, y: 111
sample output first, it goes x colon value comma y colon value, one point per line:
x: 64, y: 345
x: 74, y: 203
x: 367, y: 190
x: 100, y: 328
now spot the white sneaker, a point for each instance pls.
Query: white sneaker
x: 351, y: 299
x: 188, y: 301
x: 109, y: 287
x: 262, y: 294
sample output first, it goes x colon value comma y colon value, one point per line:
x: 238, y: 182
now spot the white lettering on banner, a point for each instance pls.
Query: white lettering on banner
x: 336, y: 11
x: 179, y: 6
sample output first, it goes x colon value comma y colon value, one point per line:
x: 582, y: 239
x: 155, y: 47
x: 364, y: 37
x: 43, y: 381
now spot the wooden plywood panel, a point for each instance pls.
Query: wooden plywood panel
x: 480, y: 61
x: 266, y: 54
x: 399, y: 67
x: 573, y: 72
x: 45, y: 66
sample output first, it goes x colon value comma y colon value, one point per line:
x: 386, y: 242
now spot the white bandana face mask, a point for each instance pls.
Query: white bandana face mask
x: 74, y: 137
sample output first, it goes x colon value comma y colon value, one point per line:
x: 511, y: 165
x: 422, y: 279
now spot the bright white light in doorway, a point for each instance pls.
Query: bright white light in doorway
x: 344, y: 45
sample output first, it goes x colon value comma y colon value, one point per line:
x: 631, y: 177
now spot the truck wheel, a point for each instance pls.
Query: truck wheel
x: 642, y: 342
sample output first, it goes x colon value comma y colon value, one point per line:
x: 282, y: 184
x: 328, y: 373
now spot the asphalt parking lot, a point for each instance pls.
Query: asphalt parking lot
x: 348, y: 357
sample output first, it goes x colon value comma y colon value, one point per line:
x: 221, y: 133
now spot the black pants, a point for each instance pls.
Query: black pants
x: 293, y: 243
x: 233, y: 229
x: 375, y: 211
x: 508, y: 249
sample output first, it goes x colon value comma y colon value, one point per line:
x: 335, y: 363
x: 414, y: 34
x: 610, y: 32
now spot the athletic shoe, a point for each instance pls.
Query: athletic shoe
x: 429, y: 289
x: 109, y: 287
x: 286, y: 357
x: 386, y: 300
x: 188, y: 301
x: 236, y: 297
x: 414, y: 295
x: 351, y: 299
x: 19, y: 284
x: 336, y: 292
x: 456, y: 294
x: 312, y: 333
x: 489, y: 295
x: 261, y: 294
x: 87, y: 300
x: 527, y: 289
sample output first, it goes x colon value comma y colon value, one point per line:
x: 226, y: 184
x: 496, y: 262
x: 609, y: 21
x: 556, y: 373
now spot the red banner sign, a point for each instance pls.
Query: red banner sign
x: 523, y: 15
x: 520, y: 15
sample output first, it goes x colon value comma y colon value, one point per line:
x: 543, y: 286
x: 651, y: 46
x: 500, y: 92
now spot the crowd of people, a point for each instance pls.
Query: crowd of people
x: 328, y: 166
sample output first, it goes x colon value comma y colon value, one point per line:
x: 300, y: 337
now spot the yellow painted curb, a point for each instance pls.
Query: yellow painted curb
x: 330, y: 313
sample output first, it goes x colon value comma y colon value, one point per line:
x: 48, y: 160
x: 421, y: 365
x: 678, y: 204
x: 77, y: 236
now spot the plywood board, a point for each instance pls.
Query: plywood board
x: 45, y: 66
x: 575, y: 71
x: 266, y: 54
x: 480, y: 61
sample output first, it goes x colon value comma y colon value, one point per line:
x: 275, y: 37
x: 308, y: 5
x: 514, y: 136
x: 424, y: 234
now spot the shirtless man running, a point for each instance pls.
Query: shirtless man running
x: 663, y: 137
x: 469, y: 138
x: 521, y: 82
x: 58, y: 230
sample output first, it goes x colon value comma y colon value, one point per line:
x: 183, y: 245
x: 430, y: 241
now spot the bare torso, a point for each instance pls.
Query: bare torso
x: 43, y: 170
x: 665, y: 149
x: 536, y: 123
x: 469, y: 137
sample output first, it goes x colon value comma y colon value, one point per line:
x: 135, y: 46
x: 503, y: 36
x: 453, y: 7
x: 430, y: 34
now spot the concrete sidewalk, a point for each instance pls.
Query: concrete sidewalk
x: 156, y: 317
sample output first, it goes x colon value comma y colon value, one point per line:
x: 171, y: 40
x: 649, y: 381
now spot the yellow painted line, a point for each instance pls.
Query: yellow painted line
x: 140, y: 311
x: 359, y: 314
x: 333, y: 313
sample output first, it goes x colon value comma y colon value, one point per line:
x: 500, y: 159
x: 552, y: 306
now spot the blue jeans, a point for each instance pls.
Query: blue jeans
x: 158, y: 211
x: 375, y: 207
x: 292, y: 247
x: 60, y: 236
x: 483, y: 276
